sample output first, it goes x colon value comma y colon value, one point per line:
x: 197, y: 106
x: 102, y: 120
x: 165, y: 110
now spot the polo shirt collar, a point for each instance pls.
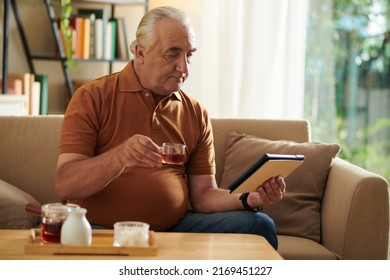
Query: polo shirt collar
x: 129, y: 82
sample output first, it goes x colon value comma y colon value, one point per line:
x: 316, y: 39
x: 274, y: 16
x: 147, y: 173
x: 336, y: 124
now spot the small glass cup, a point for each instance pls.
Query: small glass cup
x: 53, y: 216
x: 131, y: 234
x: 173, y: 153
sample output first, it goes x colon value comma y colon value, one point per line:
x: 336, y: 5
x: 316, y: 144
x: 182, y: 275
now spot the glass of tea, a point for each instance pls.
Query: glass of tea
x: 53, y: 216
x: 173, y: 153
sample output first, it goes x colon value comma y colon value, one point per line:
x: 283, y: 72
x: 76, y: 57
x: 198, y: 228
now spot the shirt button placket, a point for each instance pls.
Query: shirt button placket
x: 155, y: 124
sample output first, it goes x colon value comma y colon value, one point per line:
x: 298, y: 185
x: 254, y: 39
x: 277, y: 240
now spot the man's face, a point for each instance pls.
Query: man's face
x: 166, y: 63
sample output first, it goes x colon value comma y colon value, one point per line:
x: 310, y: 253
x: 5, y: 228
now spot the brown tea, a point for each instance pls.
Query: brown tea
x: 173, y: 153
x: 53, y: 216
x: 51, y: 232
x: 173, y: 158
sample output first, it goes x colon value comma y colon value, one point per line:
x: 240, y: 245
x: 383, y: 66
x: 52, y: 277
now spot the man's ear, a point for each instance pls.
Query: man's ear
x: 139, y: 53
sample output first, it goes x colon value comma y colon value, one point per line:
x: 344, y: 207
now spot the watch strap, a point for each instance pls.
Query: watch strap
x: 244, y: 201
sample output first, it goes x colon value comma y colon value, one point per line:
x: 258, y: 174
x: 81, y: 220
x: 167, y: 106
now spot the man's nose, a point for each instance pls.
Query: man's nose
x: 182, y: 65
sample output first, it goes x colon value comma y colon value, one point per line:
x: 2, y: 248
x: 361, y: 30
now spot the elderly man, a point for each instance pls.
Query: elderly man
x: 110, y: 157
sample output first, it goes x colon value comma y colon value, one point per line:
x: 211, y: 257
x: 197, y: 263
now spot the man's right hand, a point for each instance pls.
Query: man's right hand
x: 139, y: 150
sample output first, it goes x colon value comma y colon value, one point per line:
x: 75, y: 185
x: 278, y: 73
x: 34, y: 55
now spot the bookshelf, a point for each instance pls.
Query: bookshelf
x: 53, y: 17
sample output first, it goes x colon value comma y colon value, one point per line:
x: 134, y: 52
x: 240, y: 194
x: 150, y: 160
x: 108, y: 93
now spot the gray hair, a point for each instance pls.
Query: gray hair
x: 146, y: 27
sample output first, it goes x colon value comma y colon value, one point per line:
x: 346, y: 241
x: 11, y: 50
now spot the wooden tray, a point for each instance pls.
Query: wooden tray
x: 102, y: 241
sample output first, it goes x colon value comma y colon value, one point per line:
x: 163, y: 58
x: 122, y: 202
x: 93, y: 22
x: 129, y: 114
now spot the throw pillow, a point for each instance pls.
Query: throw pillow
x: 299, y: 212
x: 12, y: 208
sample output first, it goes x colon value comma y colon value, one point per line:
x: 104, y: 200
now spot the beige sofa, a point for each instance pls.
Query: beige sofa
x: 353, y: 208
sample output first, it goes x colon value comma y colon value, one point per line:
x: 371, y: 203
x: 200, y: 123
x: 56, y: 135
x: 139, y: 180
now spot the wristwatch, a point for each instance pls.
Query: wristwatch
x: 244, y: 200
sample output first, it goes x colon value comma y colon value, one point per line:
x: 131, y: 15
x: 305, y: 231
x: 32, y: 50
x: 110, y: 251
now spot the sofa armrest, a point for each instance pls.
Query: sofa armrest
x: 355, y: 213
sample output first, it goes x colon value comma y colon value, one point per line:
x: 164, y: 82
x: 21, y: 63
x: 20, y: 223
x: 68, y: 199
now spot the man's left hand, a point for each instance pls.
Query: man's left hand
x: 270, y: 192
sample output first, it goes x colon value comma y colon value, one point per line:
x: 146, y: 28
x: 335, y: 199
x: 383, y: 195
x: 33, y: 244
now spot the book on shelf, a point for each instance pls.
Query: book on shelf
x: 99, y: 19
x: 90, y: 29
x: 34, y: 89
x: 44, y: 93
x: 72, y: 41
x: 14, y: 85
x: 94, y: 35
x: 22, y: 82
x: 26, y: 79
x: 24, y: 85
x: 35, y: 98
x: 111, y: 35
x: 79, y: 22
x: 99, y: 38
x: 107, y: 43
x: 80, y: 29
x: 113, y: 39
x: 122, y: 41
x: 30, y: 92
x: 86, y: 45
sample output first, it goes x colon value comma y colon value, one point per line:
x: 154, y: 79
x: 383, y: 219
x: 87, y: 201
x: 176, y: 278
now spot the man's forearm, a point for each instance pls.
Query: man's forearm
x: 217, y: 200
x: 84, y: 177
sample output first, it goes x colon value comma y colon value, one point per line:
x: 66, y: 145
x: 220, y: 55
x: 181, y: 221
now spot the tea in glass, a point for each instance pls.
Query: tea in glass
x: 173, y: 153
x: 53, y: 216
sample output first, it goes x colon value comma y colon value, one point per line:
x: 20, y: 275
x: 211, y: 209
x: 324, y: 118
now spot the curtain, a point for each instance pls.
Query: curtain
x: 251, y: 56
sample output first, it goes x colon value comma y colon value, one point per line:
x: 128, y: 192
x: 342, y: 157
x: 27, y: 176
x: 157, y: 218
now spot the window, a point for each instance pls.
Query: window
x: 347, y: 79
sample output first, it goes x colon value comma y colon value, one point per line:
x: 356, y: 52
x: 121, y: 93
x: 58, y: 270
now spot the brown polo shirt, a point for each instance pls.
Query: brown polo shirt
x: 105, y: 112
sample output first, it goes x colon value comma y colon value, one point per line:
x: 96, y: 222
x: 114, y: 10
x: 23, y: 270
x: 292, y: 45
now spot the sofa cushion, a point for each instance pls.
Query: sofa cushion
x: 12, y: 208
x: 298, y: 214
x: 298, y: 248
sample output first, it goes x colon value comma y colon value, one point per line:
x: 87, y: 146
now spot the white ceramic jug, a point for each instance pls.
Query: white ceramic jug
x: 76, y: 229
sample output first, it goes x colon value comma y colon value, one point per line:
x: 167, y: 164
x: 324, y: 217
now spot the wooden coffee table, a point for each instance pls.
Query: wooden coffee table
x: 169, y: 246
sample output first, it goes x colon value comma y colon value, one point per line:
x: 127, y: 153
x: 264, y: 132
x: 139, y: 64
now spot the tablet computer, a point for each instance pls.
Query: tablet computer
x: 269, y: 165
